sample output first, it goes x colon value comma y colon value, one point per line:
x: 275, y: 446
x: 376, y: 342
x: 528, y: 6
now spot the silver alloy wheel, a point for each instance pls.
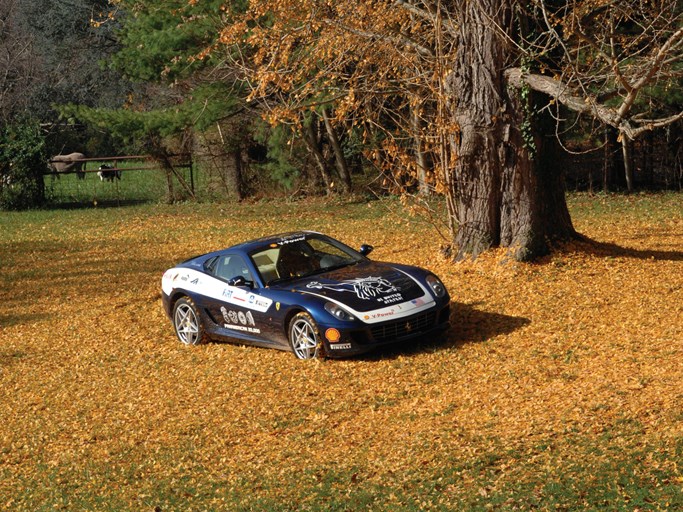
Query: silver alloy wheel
x: 303, y: 336
x: 186, y: 324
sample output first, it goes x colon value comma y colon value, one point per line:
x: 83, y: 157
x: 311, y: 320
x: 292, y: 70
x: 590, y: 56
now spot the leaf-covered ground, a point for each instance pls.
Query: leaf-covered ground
x: 559, y: 385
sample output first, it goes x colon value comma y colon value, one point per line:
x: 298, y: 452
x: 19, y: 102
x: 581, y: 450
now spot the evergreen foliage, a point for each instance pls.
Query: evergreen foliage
x: 281, y: 155
x: 161, y: 39
x: 160, y: 47
x: 136, y: 128
x: 22, y: 162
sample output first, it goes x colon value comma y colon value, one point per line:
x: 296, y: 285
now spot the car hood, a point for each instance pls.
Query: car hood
x: 366, y: 286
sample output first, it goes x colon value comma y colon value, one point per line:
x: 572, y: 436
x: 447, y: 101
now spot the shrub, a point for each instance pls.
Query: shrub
x: 22, y: 162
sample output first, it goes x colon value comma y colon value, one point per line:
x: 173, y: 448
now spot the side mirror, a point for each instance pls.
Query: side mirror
x: 239, y: 281
x: 366, y: 249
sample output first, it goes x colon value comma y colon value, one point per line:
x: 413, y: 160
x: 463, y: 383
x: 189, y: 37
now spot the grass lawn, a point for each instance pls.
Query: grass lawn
x: 558, y: 386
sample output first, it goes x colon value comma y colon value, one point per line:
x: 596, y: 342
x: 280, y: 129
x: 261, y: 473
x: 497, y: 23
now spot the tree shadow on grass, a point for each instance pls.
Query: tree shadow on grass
x: 610, y: 250
x: 468, y: 325
x: 10, y: 320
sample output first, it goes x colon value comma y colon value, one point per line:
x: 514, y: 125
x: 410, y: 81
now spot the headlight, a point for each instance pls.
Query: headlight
x: 338, y: 312
x: 436, y: 285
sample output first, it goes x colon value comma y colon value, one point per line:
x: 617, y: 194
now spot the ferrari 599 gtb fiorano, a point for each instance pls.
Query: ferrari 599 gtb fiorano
x: 304, y: 292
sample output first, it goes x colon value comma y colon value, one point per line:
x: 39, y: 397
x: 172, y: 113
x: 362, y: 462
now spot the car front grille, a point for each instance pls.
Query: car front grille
x: 397, y: 329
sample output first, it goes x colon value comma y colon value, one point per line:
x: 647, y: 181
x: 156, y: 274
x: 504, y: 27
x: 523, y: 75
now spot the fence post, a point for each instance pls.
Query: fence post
x: 191, y: 175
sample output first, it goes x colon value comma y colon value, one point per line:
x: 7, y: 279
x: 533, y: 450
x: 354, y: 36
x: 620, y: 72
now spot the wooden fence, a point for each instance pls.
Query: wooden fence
x: 171, y: 167
x: 182, y: 161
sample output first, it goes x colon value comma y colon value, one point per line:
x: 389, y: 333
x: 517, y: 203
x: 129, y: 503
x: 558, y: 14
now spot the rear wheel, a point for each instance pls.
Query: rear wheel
x: 186, y: 322
x: 304, y: 337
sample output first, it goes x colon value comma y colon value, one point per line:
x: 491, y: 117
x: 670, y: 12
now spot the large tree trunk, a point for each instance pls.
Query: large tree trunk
x: 504, y: 195
x: 534, y: 209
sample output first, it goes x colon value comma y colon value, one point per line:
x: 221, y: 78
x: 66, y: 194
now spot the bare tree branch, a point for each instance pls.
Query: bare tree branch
x: 428, y: 16
x: 561, y: 93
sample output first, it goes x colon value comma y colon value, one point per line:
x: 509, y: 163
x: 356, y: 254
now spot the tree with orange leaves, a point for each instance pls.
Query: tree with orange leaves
x: 430, y: 75
x: 454, y: 95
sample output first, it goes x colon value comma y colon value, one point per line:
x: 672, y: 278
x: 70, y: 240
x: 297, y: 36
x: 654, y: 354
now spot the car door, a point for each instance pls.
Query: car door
x: 240, y: 310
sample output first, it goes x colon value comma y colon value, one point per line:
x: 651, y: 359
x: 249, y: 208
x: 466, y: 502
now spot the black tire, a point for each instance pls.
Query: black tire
x: 304, y: 337
x: 187, y: 323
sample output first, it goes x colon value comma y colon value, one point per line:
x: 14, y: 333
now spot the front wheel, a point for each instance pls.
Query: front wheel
x: 304, y: 337
x: 186, y: 322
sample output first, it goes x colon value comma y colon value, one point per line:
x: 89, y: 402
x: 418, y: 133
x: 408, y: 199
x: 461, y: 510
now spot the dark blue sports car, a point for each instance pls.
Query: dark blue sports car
x: 303, y: 292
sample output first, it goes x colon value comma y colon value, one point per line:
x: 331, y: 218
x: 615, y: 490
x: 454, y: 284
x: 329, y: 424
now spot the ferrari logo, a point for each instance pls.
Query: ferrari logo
x: 409, y: 327
x: 277, y: 306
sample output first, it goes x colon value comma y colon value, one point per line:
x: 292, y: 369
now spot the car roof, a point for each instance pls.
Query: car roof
x: 251, y: 245
x: 248, y: 247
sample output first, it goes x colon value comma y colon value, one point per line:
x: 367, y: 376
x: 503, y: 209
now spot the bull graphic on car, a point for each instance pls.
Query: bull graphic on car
x: 365, y: 288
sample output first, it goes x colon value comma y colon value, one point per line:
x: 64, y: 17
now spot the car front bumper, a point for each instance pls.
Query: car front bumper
x: 362, y: 338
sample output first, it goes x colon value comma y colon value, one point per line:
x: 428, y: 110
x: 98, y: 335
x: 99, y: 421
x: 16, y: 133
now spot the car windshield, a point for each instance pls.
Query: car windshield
x: 301, y: 256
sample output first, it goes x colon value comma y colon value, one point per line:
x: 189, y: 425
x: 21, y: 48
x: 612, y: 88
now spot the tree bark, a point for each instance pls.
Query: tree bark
x: 534, y: 210
x: 420, y: 158
x: 339, y: 158
x: 312, y: 143
x: 608, y: 158
x: 504, y: 195
x: 236, y: 174
x: 475, y: 86
x: 628, y: 169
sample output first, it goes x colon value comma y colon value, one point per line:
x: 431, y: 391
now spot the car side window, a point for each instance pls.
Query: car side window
x: 231, y: 266
x: 210, y: 265
x: 265, y: 262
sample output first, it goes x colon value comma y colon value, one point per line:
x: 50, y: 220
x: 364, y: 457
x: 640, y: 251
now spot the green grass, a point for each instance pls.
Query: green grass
x: 660, y: 206
x: 575, y: 473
